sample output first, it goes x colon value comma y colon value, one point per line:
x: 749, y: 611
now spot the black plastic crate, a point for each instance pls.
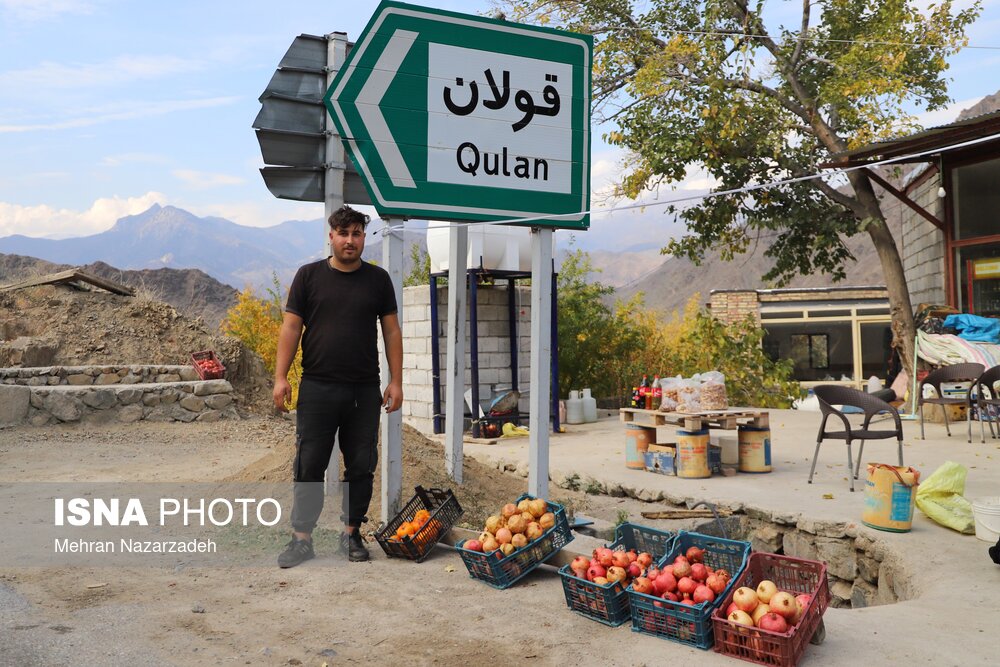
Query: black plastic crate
x: 689, y: 624
x: 502, y: 571
x: 445, y: 511
x: 608, y: 604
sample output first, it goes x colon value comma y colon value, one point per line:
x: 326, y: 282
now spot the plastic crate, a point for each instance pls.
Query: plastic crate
x: 781, y: 649
x: 689, y: 624
x: 445, y: 511
x: 501, y: 571
x: 608, y: 604
x: 202, y: 373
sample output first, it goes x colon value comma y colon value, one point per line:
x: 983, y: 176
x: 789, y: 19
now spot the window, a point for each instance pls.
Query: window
x: 811, y: 349
x: 976, y: 199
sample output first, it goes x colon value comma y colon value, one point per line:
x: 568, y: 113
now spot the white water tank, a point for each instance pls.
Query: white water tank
x: 498, y: 247
x: 574, y: 408
x: 589, y: 407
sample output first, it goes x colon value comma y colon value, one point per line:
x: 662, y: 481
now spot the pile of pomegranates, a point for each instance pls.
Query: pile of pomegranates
x: 515, y: 527
x: 766, y: 607
x: 608, y: 566
x: 687, y: 580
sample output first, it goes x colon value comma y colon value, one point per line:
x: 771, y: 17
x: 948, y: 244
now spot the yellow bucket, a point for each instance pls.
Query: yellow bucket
x: 889, y: 496
x: 755, y: 449
x: 692, y: 454
x: 637, y: 441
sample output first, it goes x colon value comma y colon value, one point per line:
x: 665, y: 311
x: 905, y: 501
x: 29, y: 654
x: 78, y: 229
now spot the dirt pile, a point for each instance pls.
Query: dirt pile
x: 66, y: 326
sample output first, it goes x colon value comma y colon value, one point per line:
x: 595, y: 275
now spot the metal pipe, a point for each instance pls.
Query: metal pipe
x: 435, y: 359
x: 473, y: 275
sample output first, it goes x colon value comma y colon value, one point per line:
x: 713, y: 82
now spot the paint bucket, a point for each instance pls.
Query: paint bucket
x: 987, y: 514
x: 692, y: 454
x: 730, y: 445
x: 637, y: 441
x: 755, y: 449
x: 890, y: 492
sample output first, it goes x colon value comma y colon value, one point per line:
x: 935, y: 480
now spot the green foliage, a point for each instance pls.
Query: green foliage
x: 621, y: 518
x: 420, y: 271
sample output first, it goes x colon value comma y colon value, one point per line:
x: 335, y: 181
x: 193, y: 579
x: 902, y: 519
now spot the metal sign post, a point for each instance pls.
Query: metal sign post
x: 541, y: 355
x: 454, y: 420
x: 392, y: 424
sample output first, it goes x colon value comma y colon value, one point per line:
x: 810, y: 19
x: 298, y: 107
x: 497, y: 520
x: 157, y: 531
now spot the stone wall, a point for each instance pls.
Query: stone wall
x: 95, y: 375
x: 494, y: 347
x: 730, y: 306
x: 922, y: 246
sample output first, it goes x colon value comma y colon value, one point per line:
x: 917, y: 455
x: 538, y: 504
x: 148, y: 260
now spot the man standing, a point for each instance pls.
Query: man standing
x: 338, y: 301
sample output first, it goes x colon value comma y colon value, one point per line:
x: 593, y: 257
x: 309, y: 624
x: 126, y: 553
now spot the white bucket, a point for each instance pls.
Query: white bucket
x: 987, y: 514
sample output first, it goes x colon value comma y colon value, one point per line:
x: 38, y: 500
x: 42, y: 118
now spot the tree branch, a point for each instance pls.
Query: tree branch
x: 806, y: 5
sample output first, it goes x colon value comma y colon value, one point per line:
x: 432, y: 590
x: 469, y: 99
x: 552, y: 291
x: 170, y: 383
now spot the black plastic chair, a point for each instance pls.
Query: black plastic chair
x: 984, y: 395
x: 955, y: 373
x: 830, y: 395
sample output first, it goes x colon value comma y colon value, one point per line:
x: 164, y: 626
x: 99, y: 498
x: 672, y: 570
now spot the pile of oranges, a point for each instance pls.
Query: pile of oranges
x: 410, y: 528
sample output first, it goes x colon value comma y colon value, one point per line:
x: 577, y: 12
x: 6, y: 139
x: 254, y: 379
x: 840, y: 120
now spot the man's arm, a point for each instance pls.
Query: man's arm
x: 288, y: 344
x: 392, y: 337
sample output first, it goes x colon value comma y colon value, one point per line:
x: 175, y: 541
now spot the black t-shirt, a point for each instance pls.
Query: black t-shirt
x: 340, y: 311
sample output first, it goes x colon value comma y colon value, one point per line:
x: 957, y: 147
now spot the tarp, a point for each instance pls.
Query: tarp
x: 975, y: 328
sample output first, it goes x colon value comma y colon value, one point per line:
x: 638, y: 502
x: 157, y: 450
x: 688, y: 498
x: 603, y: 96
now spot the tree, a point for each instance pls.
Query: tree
x: 731, y: 86
x: 420, y: 271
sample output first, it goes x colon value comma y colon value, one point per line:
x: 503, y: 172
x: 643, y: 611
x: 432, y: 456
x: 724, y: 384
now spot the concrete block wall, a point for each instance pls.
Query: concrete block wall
x: 923, y: 247
x: 494, y: 347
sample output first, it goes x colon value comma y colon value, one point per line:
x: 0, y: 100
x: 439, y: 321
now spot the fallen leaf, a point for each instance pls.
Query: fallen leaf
x: 827, y: 496
x: 450, y: 568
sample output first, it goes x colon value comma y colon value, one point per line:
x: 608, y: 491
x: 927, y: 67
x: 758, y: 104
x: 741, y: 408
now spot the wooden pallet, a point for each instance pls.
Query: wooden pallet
x: 724, y: 419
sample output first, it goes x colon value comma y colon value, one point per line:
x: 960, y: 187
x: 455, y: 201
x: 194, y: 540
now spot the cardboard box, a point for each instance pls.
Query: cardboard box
x: 661, y: 459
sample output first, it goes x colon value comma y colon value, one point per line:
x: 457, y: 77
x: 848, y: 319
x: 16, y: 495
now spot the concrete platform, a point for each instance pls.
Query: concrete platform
x: 954, y: 587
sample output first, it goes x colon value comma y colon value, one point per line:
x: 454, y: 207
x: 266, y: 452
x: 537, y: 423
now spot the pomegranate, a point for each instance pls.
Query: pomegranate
x: 761, y: 609
x: 686, y: 585
x: 723, y: 573
x: 509, y: 510
x: 716, y: 583
x: 773, y: 622
x: 604, y: 556
x: 494, y: 523
x: 528, y: 517
x: 652, y: 573
x: 669, y: 569
x: 703, y: 594
x: 534, y: 531
x: 731, y: 608
x: 538, y: 507
x: 507, y: 549
x: 664, y: 583
x: 504, y: 535
x: 547, y: 520
x: 670, y: 595
x: 619, y: 558
x: 632, y: 556
x: 516, y: 524
x: 595, y: 571
x: 473, y: 545
x: 765, y: 589
x: 682, y: 568
x: 745, y: 598
x: 490, y: 545
x: 616, y: 574
x: 740, y: 617
x: 642, y: 585
x: 783, y: 604
x: 699, y: 572
x: 633, y: 570
x: 600, y: 581
x: 644, y: 559
x: 695, y: 554
x: 519, y: 540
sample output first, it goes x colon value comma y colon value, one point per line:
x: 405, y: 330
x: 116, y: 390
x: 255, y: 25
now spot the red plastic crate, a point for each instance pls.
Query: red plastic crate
x: 207, y: 374
x: 794, y: 575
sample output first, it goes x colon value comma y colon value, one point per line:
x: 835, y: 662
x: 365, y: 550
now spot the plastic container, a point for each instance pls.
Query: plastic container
x: 890, y: 492
x: 692, y: 454
x: 445, y: 511
x: 589, y: 407
x: 608, y: 604
x: 755, y: 449
x: 213, y: 373
x: 574, y: 408
x: 730, y: 446
x: 682, y: 623
x: 780, y: 649
x: 637, y: 441
x: 986, y: 512
x: 501, y: 571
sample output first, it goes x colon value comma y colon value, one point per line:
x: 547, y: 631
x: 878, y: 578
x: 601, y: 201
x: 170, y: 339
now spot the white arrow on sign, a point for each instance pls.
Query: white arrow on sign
x: 370, y: 97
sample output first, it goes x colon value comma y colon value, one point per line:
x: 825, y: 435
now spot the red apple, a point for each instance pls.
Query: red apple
x: 703, y: 594
x: 765, y: 590
x: 773, y: 622
x: 740, y: 617
x: 783, y: 604
x: 642, y: 585
x: 745, y: 598
x: 699, y: 572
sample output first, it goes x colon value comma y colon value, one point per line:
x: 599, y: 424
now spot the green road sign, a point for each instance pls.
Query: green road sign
x: 455, y: 117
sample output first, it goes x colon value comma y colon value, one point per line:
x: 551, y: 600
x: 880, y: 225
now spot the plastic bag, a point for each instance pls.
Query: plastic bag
x: 713, y: 391
x: 940, y: 498
x: 670, y: 393
x: 689, y: 396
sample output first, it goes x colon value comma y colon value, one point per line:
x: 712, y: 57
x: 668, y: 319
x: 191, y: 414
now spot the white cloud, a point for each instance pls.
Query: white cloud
x: 203, y: 180
x: 121, y: 111
x: 131, y: 158
x: 124, y: 69
x: 35, y: 10
x: 946, y: 115
x: 45, y: 221
x: 259, y: 214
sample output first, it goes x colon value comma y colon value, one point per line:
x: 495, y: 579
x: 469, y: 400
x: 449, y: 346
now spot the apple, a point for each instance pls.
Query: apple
x: 783, y: 604
x: 765, y: 590
x: 703, y: 594
x: 642, y: 585
x: 746, y: 599
x: 740, y: 617
x: 773, y: 622
x: 761, y: 609
x: 615, y: 574
x: 699, y: 572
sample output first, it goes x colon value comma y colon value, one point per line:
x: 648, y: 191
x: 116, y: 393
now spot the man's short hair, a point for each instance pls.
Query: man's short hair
x: 345, y: 216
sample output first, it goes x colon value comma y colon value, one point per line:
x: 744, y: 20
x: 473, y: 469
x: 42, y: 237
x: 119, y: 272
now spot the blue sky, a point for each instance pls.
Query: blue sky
x: 109, y: 106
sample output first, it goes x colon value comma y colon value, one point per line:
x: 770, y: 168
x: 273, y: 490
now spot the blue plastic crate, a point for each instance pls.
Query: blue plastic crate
x: 501, y: 571
x: 689, y: 624
x: 608, y: 604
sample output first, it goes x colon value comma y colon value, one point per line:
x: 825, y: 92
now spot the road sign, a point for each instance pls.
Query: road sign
x: 450, y: 116
x: 291, y: 128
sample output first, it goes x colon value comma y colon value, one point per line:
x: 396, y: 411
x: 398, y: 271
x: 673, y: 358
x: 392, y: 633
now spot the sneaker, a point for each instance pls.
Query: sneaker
x: 354, y: 545
x: 296, y: 552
